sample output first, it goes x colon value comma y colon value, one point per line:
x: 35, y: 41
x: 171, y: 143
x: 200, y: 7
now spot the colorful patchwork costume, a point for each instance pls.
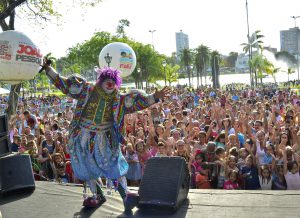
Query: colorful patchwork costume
x: 97, y: 127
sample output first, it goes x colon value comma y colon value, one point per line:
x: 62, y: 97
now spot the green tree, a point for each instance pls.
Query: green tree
x: 201, y: 60
x: 82, y: 58
x: 149, y: 62
x: 172, y: 73
x: 261, y: 66
x: 41, y: 10
x: 41, y: 80
x: 172, y: 60
x: 121, y: 28
x: 187, y: 58
x: 253, y: 42
x: 272, y: 71
x: 231, y: 59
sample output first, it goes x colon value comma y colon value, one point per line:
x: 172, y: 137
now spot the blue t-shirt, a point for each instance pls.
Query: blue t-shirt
x: 196, y: 100
x: 251, y: 180
x: 241, y: 139
x: 235, y: 97
x: 267, y: 159
x: 277, y: 184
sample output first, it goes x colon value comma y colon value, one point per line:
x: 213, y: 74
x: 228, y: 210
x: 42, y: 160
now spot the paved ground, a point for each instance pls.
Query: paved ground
x: 53, y: 200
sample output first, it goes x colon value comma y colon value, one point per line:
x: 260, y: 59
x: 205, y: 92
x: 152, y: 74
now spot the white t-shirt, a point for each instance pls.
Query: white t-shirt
x: 292, y: 181
x: 260, y: 153
x: 266, y: 185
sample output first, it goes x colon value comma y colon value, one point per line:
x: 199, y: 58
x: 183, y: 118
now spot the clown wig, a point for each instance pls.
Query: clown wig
x: 109, y: 73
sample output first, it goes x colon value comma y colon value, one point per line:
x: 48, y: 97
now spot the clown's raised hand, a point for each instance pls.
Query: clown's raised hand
x: 160, y: 94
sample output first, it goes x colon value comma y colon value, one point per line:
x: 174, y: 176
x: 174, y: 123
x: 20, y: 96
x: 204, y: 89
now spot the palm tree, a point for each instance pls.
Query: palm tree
x: 253, y: 42
x: 186, y: 59
x: 261, y: 66
x: 201, y: 59
x: 172, y: 73
x: 273, y: 72
x: 215, y: 68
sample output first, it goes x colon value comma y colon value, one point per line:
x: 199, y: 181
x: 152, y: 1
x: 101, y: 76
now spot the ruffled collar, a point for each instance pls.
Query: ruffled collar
x: 105, y: 95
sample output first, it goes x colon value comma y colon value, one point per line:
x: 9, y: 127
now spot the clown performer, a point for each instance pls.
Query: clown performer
x: 95, y: 132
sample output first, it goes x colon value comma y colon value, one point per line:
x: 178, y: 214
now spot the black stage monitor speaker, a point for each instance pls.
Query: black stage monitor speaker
x: 4, y: 145
x: 3, y: 125
x: 15, y: 173
x: 165, y: 183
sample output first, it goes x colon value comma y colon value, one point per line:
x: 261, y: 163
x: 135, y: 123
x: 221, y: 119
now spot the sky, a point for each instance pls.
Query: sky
x: 219, y: 24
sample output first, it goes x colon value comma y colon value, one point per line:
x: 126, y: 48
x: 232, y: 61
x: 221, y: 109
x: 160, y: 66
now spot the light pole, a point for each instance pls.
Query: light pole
x: 297, y: 42
x: 215, y: 73
x: 96, y: 72
x: 108, y: 59
x: 192, y: 73
x: 164, y: 63
x: 139, y: 73
x: 249, y: 44
x: 152, y: 31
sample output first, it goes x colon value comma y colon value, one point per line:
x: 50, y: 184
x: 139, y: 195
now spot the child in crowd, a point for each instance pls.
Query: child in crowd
x: 143, y: 154
x: 196, y: 167
x: 291, y: 173
x: 243, y: 153
x: 269, y: 157
x: 231, y: 165
x: 221, y: 163
x: 250, y: 174
x: 134, y: 173
x: 278, y: 179
x: 232, y: 182
x: 202, y: 178
x: 162, y: 150
x: 59, y: 168
x: 265, y: 179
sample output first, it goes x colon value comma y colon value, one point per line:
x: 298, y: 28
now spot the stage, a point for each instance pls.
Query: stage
x: 59, y: 201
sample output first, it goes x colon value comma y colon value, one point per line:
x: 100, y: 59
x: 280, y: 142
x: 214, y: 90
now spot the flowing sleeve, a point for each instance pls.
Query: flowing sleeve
x: 137, y: 101
x: 72, y: 86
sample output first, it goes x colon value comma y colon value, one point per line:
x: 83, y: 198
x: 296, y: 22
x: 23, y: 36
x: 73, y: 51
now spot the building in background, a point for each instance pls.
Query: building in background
x: 241, y: 64
x: 290, y: 40
x: 182, y: 42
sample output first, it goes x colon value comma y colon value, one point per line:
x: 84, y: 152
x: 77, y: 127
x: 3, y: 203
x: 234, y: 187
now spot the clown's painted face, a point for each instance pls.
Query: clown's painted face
x: 108, y: 86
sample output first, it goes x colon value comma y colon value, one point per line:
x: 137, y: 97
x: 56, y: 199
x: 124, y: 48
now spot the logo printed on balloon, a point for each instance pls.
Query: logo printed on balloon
x: 126, y: 60
x: 27, y: 53
x: 5, y: 50
x: 122, y: 55
x: 20, y: 58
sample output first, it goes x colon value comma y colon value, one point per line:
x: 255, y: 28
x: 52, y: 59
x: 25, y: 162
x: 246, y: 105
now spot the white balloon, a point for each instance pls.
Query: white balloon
x: 20, y: 58
x: 122, y: 55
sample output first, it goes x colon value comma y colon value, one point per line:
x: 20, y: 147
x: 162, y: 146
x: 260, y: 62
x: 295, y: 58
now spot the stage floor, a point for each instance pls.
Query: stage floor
x: 59, y: 201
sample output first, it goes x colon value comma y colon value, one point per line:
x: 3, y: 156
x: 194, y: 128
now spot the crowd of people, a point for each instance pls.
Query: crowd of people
x: 231, y: 139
